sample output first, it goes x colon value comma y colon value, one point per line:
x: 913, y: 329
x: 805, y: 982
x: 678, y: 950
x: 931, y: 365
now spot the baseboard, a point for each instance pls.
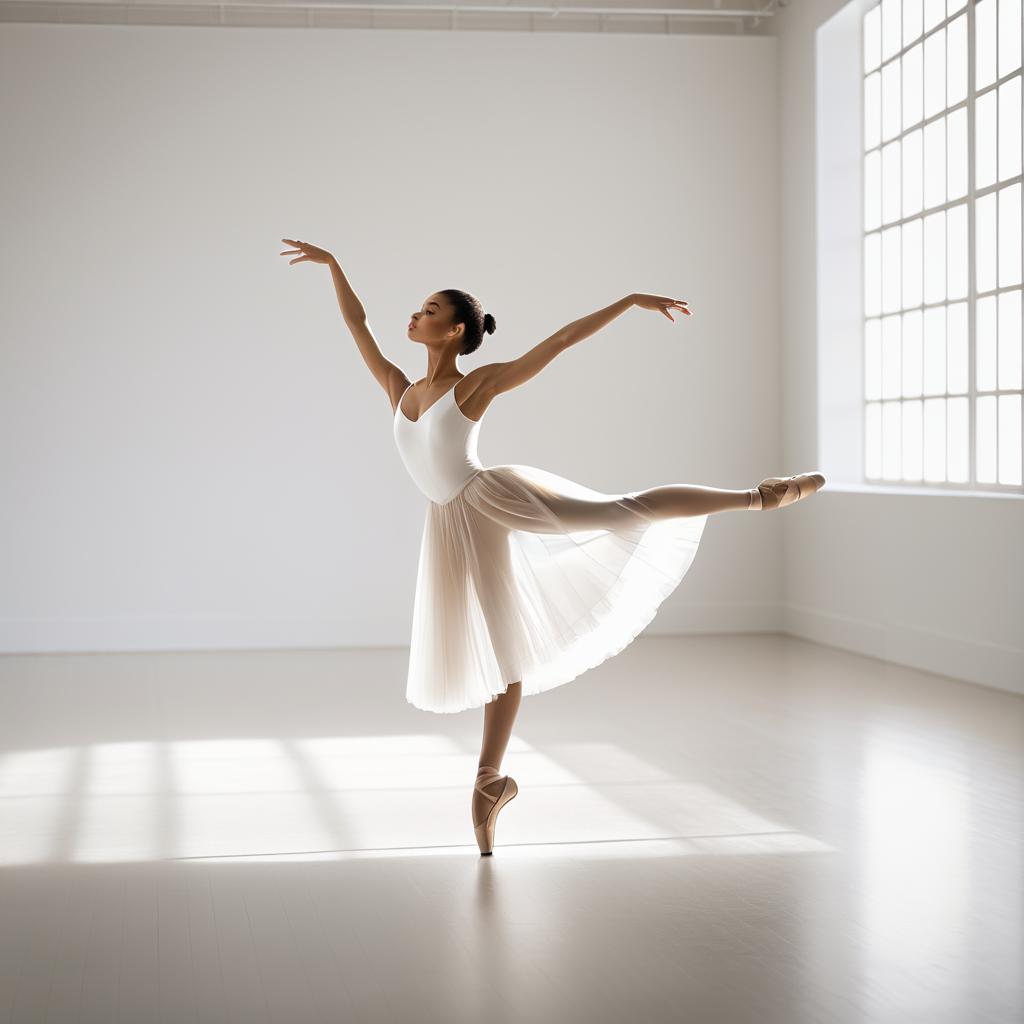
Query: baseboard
x: 138, y: 633
x: 999, y: 667
x: 985, y: 664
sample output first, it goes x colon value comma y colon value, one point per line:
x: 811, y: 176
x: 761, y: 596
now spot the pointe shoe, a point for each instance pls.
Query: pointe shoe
x: 485, y: 829
x: 777, y: 492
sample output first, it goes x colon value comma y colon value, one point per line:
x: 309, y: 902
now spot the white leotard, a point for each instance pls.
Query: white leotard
x: 440, y: 448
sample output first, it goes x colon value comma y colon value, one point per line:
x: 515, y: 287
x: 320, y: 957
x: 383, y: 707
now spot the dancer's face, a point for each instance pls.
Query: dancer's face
x: 432, y: 325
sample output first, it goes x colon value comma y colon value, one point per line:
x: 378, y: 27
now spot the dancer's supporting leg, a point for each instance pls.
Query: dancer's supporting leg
x: 498, y: 601
x: 499, y: 717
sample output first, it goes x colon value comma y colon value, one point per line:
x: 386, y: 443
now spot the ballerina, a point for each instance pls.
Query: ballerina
x: 526, y: 579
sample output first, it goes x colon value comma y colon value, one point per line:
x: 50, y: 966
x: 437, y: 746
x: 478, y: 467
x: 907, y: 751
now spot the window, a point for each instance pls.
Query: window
x: 942, y: 243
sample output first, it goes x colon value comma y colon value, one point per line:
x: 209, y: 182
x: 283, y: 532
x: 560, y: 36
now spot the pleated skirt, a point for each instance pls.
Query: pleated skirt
x: 527, y: 576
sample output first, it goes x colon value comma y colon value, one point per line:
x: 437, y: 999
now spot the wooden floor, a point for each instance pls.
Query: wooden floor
x: 721, y: 829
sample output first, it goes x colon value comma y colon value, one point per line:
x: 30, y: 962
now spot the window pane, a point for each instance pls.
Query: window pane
x: 911, y: 344
x: 956, y: 148
x: 956, y: 252
x: 891, y: 443
x: 911, y: 21
x: 934, y: 12
x: 913, y: 85
x: 1009, y: 36
x: 1009, y: 439
x: 934, y: 345
x: 872, y: 39
x: 911, y: 440
x: 891, y: 99
x: 913, y: 173
x: 872, y: 109
x: 984, y: 43
x: 956, y: 348
x: 872, y: 358
x: 935, y: 73
x: 891, y: 182
x: 872, y: 189
x: 1009, y: 235
x: 985, y: 433
x: 935, y: 439
x: 935, y: 163
x: 913, y: 260
x: 985, y: 344
x: 952, y: 6
x: 985, y: 139
x: 1009, y: 341
x: 891, y: 28
x: 957, y: 440
x: 1009, y: 129
x: 956, y: 75
x: 890, y: 357
x: 985, y: 242
x: 935, y: 257
x: 891, y: 269
x: 873, y: 440
x: 872, y: 274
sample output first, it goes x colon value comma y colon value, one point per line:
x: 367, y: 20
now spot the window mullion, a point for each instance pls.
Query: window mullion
x: 972, y: 283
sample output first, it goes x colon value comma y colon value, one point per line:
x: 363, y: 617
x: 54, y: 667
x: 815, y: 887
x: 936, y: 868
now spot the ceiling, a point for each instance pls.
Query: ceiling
x: 646, y: 17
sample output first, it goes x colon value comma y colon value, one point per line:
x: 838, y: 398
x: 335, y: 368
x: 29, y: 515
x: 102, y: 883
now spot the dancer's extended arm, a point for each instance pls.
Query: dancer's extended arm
x: 505, y: 376
x: 390, y: 376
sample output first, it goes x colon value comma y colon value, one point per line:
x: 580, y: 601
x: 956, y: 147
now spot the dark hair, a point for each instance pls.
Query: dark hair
x: 468, y: 311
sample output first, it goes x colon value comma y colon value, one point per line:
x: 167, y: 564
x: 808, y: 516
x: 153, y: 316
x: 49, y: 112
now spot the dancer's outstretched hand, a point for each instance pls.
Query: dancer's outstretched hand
x: 310, y: 252
x: 661, y: 302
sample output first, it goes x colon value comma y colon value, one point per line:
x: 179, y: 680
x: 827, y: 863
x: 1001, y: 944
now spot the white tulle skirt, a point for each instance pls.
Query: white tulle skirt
x: 527, y: 576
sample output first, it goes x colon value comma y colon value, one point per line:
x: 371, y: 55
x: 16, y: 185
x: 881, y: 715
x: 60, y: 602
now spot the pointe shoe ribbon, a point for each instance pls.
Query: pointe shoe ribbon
x: 484, y: 830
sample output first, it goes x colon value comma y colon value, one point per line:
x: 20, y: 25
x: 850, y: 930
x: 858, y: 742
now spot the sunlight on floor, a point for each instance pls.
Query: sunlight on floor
x: 910, y: 803
x: 359, y: 796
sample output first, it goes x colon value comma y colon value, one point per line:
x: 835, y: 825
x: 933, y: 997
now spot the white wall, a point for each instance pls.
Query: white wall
x: 192, y: 453
x: 924, y: 579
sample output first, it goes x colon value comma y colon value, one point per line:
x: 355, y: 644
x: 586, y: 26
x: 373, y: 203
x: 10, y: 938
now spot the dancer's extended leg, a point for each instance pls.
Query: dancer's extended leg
x: 695, y: 500
x: 691, y: 500
x: 633, y: 510
x: 671, y: 500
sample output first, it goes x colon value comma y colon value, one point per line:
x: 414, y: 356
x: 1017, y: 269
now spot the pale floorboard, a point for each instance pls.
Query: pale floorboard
x: 716, y: 828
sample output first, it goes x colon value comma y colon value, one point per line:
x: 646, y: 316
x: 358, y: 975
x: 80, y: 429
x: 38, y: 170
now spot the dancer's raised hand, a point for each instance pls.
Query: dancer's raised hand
x: 309, y: 252
x: 661, y: 302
